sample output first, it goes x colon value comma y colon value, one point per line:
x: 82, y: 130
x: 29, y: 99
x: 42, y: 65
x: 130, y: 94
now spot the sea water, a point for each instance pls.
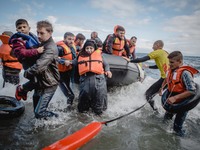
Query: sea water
x: 142, y: 130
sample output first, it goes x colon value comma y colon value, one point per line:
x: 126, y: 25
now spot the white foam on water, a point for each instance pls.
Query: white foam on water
x: 121, y: 100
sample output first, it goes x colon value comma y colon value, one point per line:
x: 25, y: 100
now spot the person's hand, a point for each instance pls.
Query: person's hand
x: 40, y: 49
x: 27, y: 75
x: 68, y: 62
x: 127, y: 59
x: 1, y: 63
x: 171, y: 100
x: 108, y: 74
x: 160, y: 92
x: 145, y: 66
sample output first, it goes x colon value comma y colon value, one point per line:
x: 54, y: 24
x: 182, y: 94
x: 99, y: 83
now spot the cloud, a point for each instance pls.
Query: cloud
x: 176, y: 5
x: 117, y: 7
x: 61, y: 28
x: 52, y: 19
x: 129, y: 13
x: 185, y: 33
x: 65, y: 27
x: 38, y: 5
x: 188, y: 26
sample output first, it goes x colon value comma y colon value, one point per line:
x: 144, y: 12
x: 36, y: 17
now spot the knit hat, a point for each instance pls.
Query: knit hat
x: 8, y: 33
x: 90, y: 43
x: 99, y: 42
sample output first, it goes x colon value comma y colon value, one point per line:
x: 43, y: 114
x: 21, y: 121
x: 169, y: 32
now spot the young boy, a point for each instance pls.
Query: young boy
x: 26, y: 49
x: 93, y: 88
x: 180, y: 84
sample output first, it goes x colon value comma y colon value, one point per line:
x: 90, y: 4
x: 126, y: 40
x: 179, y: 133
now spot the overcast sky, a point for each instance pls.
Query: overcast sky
x: 176, y: 22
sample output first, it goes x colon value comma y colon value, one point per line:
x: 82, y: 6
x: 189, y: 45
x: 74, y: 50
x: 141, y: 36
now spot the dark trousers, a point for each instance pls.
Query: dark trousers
x: 179, y: 119
x: 29, y: 86
x: 93, y: 93
x: 41, y: 99
x: 152, y: 91
x: 65, y: 86
x: 10, y: 75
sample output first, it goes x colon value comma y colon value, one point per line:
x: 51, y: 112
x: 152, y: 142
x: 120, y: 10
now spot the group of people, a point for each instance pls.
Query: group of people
x: 44, y: 64
x: 48, y: 64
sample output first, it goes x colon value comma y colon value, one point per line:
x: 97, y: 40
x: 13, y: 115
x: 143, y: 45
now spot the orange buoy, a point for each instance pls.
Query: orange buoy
x: 77, y: 139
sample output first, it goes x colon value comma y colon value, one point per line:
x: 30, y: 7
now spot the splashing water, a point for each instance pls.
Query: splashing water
x: 141, y: 130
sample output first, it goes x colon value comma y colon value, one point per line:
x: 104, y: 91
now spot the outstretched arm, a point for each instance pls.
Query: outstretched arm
x: 137, y: 60
x: 153, y: 67
x: 142, y: 59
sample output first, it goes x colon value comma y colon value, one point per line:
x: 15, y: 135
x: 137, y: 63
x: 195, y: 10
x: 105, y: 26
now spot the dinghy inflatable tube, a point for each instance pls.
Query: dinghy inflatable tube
x: 184, y: 105
x: 10, y: 107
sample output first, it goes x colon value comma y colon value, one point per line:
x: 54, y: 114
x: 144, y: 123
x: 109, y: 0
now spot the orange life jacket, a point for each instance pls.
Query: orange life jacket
x: 118, y: 46
x: 100, y: 48
x: 92, y: 63
x: 5, y: 50
x: 174, y: 82
x: 131, y: 48
x: 67, y: 56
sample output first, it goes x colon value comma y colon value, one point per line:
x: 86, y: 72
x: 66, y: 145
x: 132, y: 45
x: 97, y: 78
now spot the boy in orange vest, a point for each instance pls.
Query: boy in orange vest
x: 181, y: 86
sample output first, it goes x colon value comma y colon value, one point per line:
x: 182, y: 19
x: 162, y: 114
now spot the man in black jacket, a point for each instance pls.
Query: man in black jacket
x: 116, y: 43
x: 44, y: 71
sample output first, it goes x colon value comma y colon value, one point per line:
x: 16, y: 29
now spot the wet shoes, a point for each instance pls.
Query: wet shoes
x: 20, y: 93
x: 152, y: 104
x: 180, y: 133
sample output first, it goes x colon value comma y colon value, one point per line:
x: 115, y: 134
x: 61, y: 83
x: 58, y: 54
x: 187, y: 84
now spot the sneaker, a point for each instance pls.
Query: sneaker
x: 152, y: 104
x: 180, y: 133
x: 24, y: 96
x: 20, y: 94
x: 54, y: 115
x: 46, y: 115
x: 17, y: 93
x: 68, y: 108
x: 70, y: 99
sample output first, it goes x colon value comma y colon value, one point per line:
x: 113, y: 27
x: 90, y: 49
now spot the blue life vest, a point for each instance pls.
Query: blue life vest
x: 31, y: 39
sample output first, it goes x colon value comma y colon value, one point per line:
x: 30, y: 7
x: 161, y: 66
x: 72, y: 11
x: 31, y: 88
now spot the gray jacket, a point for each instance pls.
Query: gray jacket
x: 45, y: 70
